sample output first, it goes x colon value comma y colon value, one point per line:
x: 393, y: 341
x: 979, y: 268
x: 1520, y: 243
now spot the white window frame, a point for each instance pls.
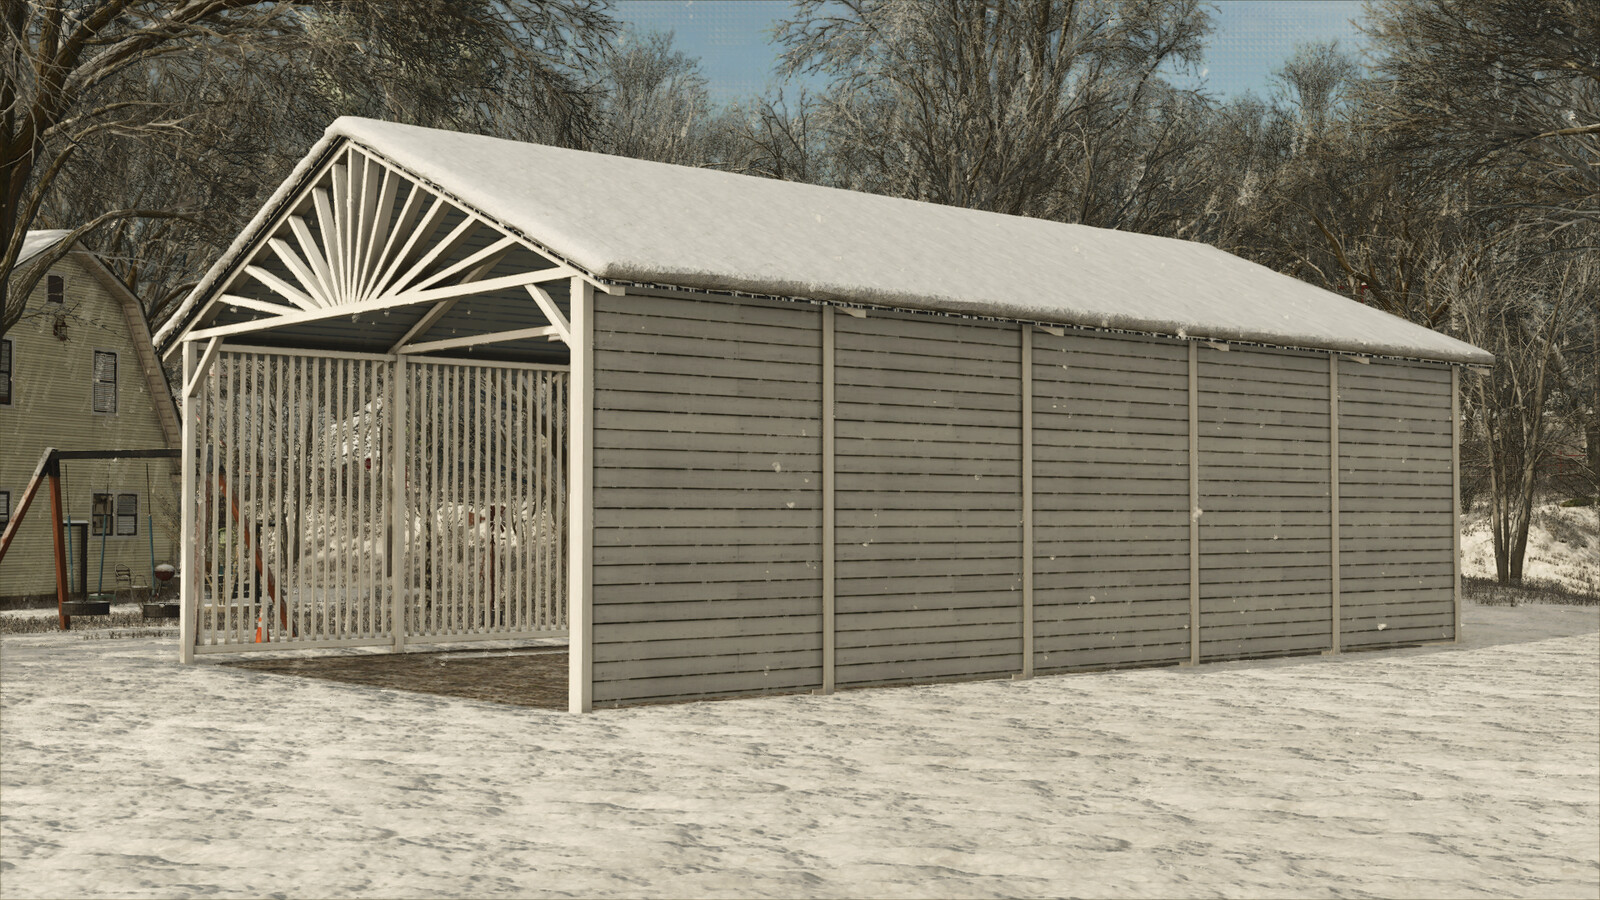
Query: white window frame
x: 96, y: 528
x: 117, y: 515
x: 95, y: 382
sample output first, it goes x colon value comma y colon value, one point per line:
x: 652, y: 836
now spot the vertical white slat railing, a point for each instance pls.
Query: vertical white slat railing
x: 344, y: 499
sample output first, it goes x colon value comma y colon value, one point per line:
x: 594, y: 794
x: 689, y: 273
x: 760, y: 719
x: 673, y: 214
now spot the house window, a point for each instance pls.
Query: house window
x: 105, y: 382
x: 55, y: 289
x: 5, y: 509
x: 100, y: 516
x: 5, y: 373
x: 127, y: 514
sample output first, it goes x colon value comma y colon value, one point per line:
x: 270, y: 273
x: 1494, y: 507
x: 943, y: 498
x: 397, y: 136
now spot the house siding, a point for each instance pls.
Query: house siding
x: 52, y: 393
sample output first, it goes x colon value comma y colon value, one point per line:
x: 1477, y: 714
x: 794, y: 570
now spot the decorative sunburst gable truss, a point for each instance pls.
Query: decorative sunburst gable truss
x: 366, y: 252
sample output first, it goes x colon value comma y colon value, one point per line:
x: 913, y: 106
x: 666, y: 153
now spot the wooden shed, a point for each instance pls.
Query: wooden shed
x: 731, y: 435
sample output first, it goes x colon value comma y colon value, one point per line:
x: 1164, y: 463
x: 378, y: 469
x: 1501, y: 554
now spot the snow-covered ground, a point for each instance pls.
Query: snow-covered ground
x: 1563, y: 547
x: 1467, y: 770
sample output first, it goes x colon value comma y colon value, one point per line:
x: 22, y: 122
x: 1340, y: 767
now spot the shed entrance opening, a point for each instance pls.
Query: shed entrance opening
x: 350, y: 500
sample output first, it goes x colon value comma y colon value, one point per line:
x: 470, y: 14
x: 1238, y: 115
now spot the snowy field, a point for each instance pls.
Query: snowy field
x: 1456, y: 771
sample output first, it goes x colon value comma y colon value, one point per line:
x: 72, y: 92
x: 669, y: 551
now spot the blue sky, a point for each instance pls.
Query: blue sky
x: 732, y: 38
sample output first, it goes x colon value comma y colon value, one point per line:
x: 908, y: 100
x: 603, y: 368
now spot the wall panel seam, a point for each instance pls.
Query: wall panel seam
x: 1333, y: 488
x: 1455, y: 499
x: 1027, y: 502
x: 1194, y: 503
x: 829, y: 564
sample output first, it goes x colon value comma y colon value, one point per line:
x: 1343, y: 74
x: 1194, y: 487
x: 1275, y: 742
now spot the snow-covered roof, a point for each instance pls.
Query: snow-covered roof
x: 634, y: 221
x: 39, y: 240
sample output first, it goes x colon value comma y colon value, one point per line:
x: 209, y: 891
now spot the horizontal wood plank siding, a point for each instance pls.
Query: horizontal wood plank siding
x: 708, y: 500
x: 708, y: 522
x: 1111, y: 537
x: 928, y: 463
x: 1396, y: 533
x: 1265, y: 503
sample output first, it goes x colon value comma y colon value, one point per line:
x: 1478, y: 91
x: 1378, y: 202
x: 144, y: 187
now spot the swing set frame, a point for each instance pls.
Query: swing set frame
x: 49, y: 472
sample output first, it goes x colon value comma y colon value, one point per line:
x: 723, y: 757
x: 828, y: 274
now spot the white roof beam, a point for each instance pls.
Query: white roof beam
x: 293, y: 262
x: 265, y: 306
x: 285, y: 289
x: 476, y: 340
x: 547, y: 305
x: 394, y: 300
x: 419, y: 237
x: 454, y: 239
x: 490, y: 256
x: 444, y: 306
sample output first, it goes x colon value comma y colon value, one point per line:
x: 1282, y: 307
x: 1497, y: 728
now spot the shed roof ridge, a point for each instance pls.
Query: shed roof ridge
x: 627, y: 220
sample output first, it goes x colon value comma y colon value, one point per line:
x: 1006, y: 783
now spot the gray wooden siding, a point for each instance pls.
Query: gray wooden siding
x: 1265, y: 541
x: 1111, y: 501
x: 1396, y: 551
x: 928, y: 496
x: 707, y: 498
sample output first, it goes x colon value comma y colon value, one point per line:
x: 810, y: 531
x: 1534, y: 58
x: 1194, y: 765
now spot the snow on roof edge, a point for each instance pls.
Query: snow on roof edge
x: 1437, y: 347
x: 39, y: 240
x: 1469, y: 355
x: 291, y: 185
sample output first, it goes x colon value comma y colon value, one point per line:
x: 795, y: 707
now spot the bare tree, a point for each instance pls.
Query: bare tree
x: 60, y: 67
x: 781, y: 141
x: 1519, y: 302
x: 1509, y: 83
x: 1494, y: 105
x: 157, y: 126
x: 655, y: 105
x: 1016, y: 106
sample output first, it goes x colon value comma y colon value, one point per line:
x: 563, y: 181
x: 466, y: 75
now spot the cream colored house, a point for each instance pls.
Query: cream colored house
x: 79, y: 373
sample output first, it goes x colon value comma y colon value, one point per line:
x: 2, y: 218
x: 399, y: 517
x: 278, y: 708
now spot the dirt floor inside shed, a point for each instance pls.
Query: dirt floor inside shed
x: 535, y: 677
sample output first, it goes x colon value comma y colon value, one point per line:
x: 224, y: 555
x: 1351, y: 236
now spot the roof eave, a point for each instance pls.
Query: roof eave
x: 188, y: 313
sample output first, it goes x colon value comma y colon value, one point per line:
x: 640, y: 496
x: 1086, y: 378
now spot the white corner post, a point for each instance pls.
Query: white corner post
x: 580, y: 503
x: 1333, y: 489
x: 188, y: 579
x: 1455, y: 498
x: 399, y: 516
x: 1027, y: 501
x: 828, y: 563
x: 1194, y: 503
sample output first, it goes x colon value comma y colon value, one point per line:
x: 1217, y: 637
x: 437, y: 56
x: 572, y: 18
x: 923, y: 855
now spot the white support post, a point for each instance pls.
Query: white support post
x: 189, y: 595
x: 1194, y: 503
x: 398, y: 545
x: 1027, y: 501
x: 1455, y: 498
x: 829, y: 605
x: 192, y: 383
x: 1333, y: 487
x: 580, y: 505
